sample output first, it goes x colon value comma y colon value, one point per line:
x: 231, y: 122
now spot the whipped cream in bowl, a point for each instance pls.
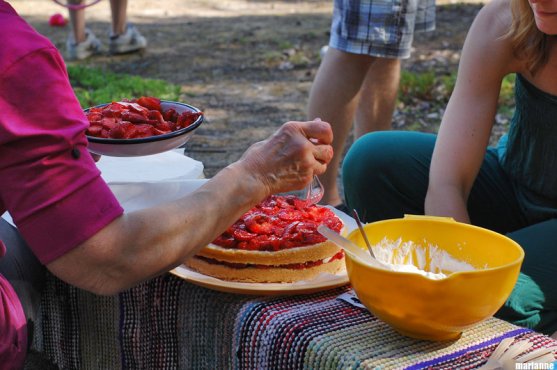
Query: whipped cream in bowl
x: 424, y: 259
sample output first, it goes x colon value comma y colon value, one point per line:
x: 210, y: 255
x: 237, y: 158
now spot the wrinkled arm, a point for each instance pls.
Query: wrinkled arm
x: 145, y: 243
x: 466, y: 126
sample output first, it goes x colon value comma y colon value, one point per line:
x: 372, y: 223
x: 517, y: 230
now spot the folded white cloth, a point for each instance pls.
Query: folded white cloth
x: 141, y: 182
x: 134, y: 196
x: 171, y: 165
x: 139, y: 195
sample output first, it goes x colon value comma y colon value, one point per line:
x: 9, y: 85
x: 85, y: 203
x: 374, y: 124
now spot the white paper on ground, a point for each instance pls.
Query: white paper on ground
x: 170, y: 165
x: 350, y: 297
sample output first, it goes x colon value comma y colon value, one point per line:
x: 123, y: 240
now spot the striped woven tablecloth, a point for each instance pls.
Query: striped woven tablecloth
x: 168, y: 323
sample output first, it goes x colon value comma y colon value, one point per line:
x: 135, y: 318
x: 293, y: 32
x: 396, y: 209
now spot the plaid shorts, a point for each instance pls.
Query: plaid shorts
x: 380, y: 28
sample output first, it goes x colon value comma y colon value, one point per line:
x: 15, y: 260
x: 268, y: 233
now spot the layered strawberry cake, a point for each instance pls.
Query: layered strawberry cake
x: 276, y: 241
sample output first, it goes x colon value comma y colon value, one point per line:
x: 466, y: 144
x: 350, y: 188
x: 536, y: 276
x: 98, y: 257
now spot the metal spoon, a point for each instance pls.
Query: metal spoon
x: 342, y: 242
x: 348, y: 246
x: 314, y: 191
x: 357, y: 218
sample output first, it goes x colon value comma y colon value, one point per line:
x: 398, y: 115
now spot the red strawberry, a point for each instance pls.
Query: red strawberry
x: 150, y: 103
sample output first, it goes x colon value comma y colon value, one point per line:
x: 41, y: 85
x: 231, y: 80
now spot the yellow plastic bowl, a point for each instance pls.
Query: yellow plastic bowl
x: 438, y: 310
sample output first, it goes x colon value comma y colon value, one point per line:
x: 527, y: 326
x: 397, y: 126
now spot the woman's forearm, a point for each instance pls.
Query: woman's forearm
x: 145, y: 243
x: 447, y: 202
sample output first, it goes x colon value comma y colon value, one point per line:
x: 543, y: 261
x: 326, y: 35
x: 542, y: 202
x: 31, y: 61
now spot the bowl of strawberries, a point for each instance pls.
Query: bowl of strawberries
x: 142, y: 126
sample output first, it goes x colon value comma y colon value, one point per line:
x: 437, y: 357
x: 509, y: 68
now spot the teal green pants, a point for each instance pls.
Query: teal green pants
x: 385, y: 175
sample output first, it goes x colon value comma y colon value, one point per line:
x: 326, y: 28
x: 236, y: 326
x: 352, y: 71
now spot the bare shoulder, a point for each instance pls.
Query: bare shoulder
x: 499, y: 11
x: 486, y: 42
x: 493, y: 20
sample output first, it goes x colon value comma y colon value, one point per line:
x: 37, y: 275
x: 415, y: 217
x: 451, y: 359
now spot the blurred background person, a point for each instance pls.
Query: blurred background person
x: 359, y: 76
x: 82, y: 43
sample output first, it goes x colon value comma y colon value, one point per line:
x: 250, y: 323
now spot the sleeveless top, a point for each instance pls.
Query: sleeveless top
x: 528, y: 153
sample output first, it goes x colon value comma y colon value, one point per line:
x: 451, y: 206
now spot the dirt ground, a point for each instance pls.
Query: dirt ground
x: 248, y: 64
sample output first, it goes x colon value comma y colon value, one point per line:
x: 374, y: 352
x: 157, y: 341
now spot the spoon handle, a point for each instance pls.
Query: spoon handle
x: 357, y: 218
x: 341, y: 241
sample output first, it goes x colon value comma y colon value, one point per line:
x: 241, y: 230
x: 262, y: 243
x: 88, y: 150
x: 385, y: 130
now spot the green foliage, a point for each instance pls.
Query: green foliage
x: 506, y: 97
x: 429, y: 86
x: 94, y: 86
x: 417, y: 85
x: 272, y: 57
x: 447, y: 85
x: 285, y: 44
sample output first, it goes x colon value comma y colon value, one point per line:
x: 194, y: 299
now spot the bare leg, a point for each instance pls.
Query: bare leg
x: 77, y: 20
x: 118, y: 9
x: 378, y: 97
x: 333, y: 98
x: 347, y: 87
x: 124, y: 37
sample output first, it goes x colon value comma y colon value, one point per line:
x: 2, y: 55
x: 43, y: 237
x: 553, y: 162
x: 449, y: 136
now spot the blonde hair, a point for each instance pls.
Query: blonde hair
x: 528, y: 42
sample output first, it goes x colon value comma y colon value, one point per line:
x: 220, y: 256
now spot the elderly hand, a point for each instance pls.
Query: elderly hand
x: 289, y: 158
x: 126, y: 252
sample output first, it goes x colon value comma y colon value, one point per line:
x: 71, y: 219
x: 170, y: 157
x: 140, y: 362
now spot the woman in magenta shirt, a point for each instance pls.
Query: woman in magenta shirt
x: 67, y: 215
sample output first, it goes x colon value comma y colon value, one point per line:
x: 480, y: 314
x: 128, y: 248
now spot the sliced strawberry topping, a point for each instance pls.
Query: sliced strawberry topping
x: 145, y: 111
x: 279, y: 222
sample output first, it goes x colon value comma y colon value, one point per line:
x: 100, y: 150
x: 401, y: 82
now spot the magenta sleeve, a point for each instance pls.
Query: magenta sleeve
x: 64, y: 225
x: 50, y: 183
